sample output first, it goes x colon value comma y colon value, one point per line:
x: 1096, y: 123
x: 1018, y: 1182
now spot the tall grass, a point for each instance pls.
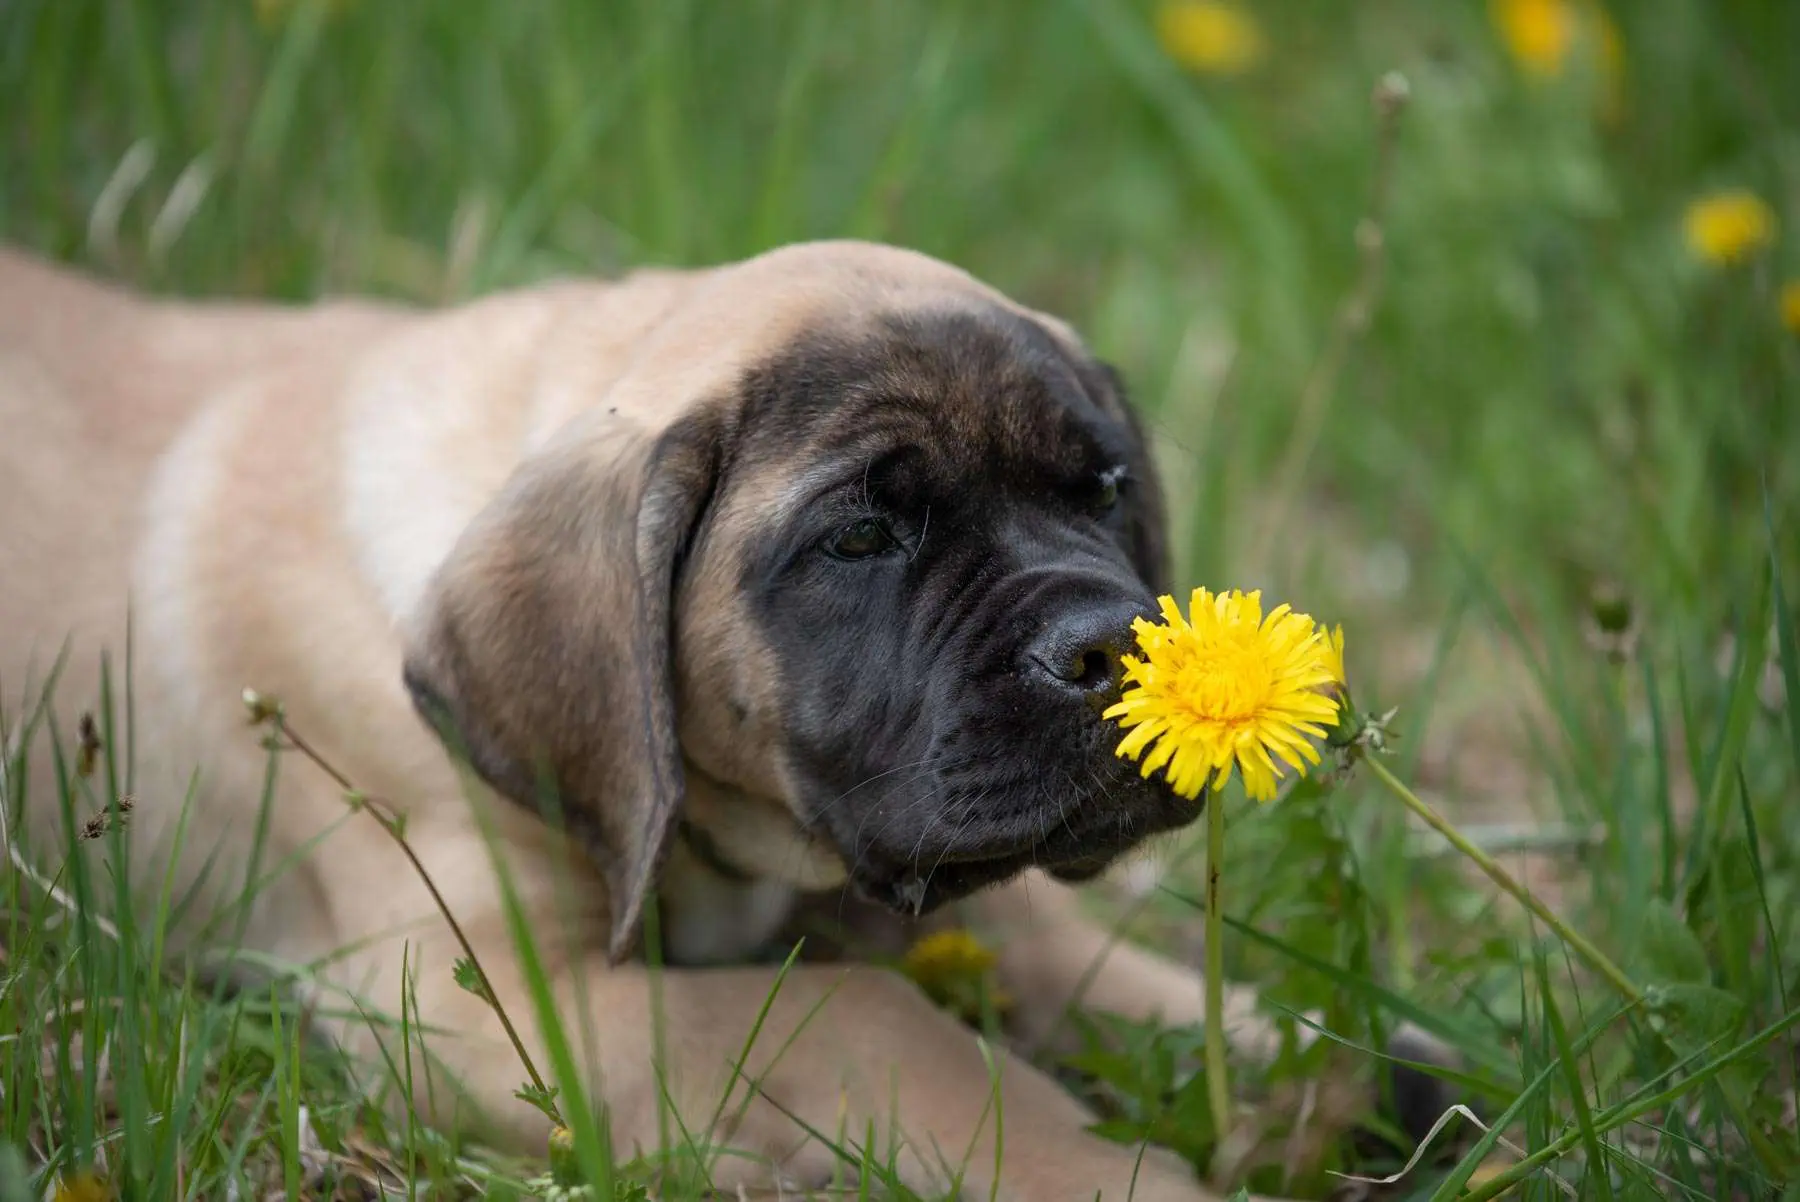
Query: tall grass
x: 1550, y: 491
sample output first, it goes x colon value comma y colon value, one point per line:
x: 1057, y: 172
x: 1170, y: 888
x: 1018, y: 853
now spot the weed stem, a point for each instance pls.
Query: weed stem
x: 1597, y: 959
x: 391, y: 823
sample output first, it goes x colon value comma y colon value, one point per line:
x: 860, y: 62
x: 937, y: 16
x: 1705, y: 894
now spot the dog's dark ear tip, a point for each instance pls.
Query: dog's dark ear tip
x: 1419, y: 1098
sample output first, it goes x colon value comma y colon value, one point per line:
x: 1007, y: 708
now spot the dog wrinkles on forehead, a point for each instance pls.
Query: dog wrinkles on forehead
x: 983, y: 388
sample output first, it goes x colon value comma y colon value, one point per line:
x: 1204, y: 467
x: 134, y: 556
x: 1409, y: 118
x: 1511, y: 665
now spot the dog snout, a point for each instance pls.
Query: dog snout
x: 1079, y: 655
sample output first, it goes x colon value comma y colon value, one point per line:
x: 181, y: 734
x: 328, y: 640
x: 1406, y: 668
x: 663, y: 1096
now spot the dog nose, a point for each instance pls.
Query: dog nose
x: 1080, y: 654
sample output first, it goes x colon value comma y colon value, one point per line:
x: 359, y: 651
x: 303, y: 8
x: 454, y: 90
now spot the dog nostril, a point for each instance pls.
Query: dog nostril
x: 1080, y: 654
x: 1089, y: 666
x: 1098, y: 670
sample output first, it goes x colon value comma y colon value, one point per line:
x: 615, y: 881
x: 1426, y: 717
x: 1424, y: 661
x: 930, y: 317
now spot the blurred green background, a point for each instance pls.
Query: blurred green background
x: 1473, y: 326
x: 1576, y: 384
x: 1555, y: 383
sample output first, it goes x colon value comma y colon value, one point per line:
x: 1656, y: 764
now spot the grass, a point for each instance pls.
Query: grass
x: 1549, y: 486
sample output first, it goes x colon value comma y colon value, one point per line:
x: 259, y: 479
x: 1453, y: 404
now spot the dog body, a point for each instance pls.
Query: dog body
x: 802, y: 577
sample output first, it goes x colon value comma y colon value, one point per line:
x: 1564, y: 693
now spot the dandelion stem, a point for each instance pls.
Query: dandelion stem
x: 1596, y: 959
x: 1218, y: 1086
x: 393, y: 825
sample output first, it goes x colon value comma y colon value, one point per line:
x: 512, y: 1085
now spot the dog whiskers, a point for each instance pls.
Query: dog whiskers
x: 819, y: 812
x: 1062, y: 811
x: 968, y: 817
x: 905, y: 809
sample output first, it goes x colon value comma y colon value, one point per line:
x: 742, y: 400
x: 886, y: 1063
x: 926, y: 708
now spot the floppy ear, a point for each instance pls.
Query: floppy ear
x: 543, y: 649
x: 1146, y: 519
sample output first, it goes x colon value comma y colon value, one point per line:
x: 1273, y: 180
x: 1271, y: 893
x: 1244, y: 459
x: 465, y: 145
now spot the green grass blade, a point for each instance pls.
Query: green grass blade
x: 1599, y: 1166
x: 1787, y: 641
x: 1728, y: 750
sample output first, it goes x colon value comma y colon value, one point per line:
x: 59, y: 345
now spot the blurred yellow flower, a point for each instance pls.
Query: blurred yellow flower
x: 81, y: 1186
x: 953, y: 967
x: 943, y: 955
x: 1231, y: 689
x: 1538, y: 33
x: 1541, y: 35
x: 1790, y: 306
x: 1729, y: 227
x: 1209, y: 36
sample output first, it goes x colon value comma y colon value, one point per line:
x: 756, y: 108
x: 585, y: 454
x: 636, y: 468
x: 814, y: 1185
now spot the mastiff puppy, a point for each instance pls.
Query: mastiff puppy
x: 805, y: 577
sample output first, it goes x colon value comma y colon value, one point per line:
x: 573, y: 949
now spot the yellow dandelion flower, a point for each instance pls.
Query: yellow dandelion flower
x: 1538, y: 33
x: 1228, y: 689
x: 1334, y: 655
x: 953, y: 967
x: 946, y: 956
x: 1544, y: 36
x: 82, y: 1186
x: 1790, y: 306
x: 1728, y: 227
x: 1208, y: 36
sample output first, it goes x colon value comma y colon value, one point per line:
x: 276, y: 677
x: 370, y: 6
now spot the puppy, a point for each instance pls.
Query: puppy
x: 802, y: 577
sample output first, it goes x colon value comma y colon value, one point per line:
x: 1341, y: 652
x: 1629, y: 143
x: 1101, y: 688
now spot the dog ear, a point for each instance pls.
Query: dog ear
x: 543, y: 650
x: 1146, y: 517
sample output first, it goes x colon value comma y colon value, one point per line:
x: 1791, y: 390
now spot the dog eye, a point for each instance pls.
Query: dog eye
x: 860, y: 540
x: 1105, y: 491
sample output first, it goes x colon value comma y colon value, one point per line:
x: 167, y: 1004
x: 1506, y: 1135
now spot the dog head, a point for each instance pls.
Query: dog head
x: 852, y: 539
